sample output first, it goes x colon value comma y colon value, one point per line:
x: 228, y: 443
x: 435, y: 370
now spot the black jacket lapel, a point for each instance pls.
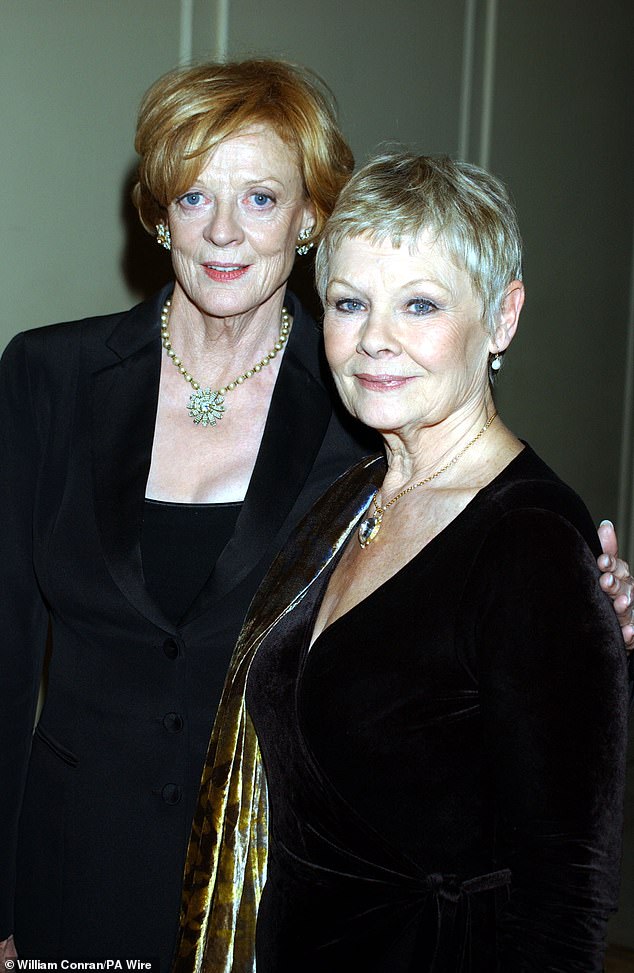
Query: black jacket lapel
x: 124, y: 402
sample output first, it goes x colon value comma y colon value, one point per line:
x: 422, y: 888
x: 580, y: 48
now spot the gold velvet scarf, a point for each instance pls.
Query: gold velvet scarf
x: 225, y: 869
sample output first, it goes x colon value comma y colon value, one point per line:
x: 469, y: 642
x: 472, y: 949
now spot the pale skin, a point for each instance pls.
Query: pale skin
x: 616, y: 581
x: 7, y: 951
x: 409, y: 351
x: 233, y: 234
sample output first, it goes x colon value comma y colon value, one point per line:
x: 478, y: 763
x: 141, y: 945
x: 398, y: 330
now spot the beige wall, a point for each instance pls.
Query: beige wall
x: 540, y: 91
x: 531, y: 88
x: 561, y: 139
x: 71, y: 76
x: 395, y: 67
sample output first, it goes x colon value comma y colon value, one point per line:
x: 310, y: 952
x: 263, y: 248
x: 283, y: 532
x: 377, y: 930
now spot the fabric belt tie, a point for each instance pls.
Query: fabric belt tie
x: 453, y: 904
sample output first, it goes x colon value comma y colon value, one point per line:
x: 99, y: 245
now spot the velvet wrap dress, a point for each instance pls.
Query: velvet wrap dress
x: 439, y: 781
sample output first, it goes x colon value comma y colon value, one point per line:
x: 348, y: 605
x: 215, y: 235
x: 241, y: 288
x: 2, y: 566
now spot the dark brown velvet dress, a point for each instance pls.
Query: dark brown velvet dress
x: 445, y: 765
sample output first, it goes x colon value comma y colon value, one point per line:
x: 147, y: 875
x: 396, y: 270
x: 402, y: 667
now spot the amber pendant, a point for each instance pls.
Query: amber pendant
x: 369, y: 528
x: 206, y: 407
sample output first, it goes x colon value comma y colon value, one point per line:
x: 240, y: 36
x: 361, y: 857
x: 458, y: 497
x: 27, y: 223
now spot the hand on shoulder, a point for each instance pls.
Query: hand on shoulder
x: 616, y: 581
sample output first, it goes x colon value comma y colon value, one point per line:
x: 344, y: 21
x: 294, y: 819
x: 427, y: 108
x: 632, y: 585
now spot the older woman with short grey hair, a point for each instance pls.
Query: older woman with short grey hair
x: 437, y: 778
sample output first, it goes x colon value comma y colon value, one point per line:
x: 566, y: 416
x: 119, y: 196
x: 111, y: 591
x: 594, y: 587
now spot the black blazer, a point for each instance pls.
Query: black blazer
x: 96, y: 811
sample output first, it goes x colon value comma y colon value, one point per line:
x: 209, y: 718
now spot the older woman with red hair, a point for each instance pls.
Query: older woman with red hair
x: 153, y: 462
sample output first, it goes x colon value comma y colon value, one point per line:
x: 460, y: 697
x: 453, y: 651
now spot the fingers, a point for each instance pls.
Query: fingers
x: 617, y: 582
x: 622, y: 601
x: 623, y: 607
x: 617, y: 570
x: 618, y: 588
x: 607, y: 536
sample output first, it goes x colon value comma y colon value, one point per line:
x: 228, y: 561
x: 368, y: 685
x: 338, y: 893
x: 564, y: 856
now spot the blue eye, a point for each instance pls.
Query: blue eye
x: 348, y: 305
x: 421, y: 305
x: 192, y: 199
x: 261, y: 199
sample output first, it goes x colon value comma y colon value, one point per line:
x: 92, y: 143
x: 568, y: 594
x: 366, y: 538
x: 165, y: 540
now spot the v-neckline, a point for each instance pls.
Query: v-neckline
x: 408, y: 565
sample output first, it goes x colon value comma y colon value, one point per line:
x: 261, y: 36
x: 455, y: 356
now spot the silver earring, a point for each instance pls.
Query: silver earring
x: 496, y: 362
x: 305, y: 235
x: 163, y: 236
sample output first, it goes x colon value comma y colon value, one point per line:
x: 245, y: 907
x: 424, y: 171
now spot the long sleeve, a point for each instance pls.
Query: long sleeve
x: 554, y: 699
x: 23, y: 614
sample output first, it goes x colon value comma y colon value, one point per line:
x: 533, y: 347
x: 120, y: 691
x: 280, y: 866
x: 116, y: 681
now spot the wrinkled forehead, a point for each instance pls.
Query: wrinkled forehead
x: 377, y: 260
x: 261, y: 142
x: 268, y: 139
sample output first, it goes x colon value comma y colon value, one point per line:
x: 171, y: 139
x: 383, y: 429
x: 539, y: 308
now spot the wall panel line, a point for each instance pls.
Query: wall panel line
x: 222, y: 30
x: 625, y: 511
x: 186, y: 32
x: 468, y: 56
x: 488, y: 82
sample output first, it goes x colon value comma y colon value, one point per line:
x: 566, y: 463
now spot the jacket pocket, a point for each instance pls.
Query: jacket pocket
x: 57, y: 748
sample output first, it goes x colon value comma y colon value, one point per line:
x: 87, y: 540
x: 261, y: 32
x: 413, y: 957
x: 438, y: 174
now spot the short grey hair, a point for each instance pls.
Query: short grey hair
x: 398, y: 195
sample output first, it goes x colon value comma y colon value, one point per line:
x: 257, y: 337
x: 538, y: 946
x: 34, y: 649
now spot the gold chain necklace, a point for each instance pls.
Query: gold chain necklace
x: 370, y: 526
x: 206, y: 406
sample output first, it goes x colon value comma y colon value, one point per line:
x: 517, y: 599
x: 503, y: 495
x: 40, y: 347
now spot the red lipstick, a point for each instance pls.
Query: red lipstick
x: 219, y: 271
